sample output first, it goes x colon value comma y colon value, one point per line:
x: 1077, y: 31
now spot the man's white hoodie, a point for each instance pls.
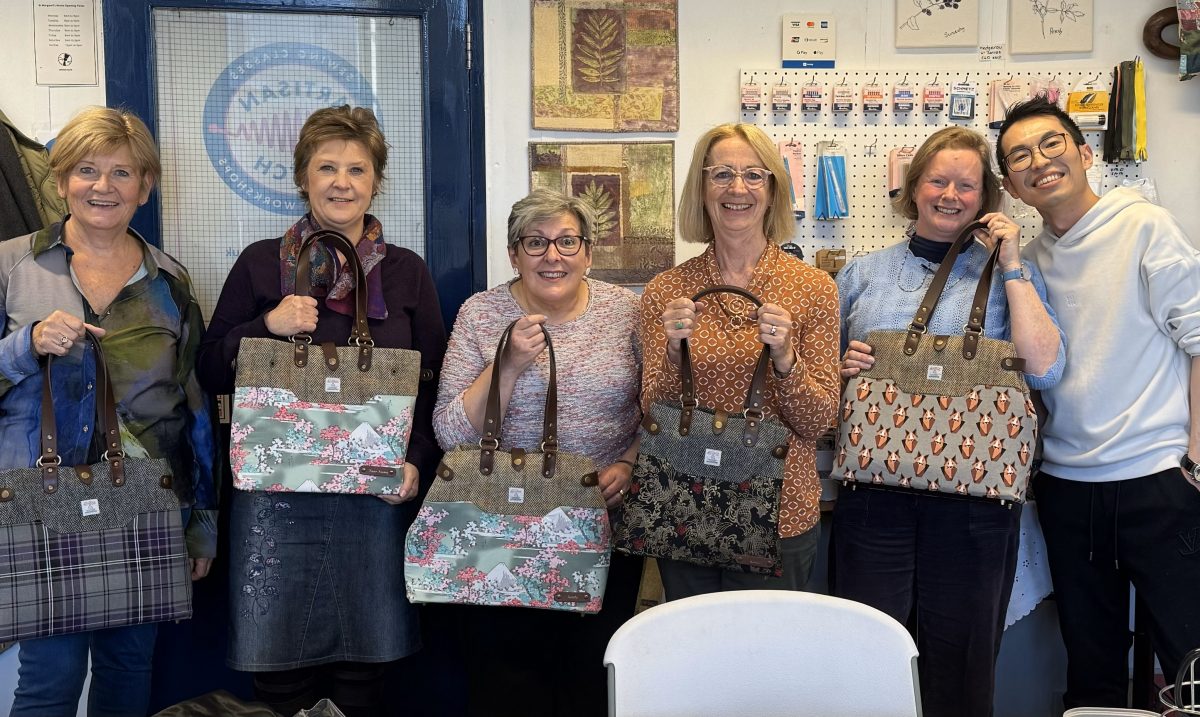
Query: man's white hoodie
x: 1124, y: 282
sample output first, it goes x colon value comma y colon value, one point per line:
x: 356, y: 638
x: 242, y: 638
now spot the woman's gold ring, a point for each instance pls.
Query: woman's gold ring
x: 679, y: 324
x: 623, y: 492
x: 62, y: 340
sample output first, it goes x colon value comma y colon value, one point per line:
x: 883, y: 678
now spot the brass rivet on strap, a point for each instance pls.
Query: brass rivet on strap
x: 654, y: 426
x: 5, y: 494
x: 85, y: 475
x: 518, y: 461
x: 331, y: 362
x: 718, y: 424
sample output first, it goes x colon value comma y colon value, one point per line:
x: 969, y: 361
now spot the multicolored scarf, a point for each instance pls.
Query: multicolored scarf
x: 370, y: 250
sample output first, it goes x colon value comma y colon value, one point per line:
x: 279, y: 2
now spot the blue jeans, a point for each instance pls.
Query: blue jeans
x: 50, y: 679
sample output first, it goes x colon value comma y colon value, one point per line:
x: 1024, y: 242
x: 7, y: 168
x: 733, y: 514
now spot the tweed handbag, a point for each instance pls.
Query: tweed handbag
x: 512, y: 527
x: 948, y: 415
x: 706, y: 486
x: 92, y: 546
x: 337, y: 425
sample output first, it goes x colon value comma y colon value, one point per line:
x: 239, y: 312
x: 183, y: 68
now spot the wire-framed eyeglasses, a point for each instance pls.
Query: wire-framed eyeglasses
x: 568, y: 245
x: 1050, y: 147
x: 723, y: 175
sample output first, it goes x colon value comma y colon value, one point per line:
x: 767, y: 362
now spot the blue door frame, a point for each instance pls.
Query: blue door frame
x: 456, y: 225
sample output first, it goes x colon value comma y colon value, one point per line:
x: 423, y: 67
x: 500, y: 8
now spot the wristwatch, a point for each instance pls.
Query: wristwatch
x: 1191, y: 467
x: 1011, y: 274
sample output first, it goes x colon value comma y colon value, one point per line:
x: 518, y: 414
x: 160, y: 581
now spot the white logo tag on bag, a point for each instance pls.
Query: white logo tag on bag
x: 91, y: 506
x: 712, y: 457
x: 516, y: 495
x: 933, y: 373
x: 333, y: 384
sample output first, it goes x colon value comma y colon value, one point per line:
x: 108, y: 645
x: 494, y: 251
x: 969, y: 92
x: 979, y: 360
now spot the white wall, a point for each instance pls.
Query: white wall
x: 717, y: 39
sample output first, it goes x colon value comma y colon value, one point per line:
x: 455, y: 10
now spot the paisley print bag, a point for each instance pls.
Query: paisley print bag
x: 940, y: 414
x: 337, y: 425
x: 706, y: 486
x: 512, y: 527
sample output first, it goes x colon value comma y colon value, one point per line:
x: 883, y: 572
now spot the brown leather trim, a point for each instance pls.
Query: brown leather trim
x: 364, y: 358
x: 780, y: 451
x: 331, y: 357
x: 166, y: 481
x: 300, y: 355
x: 939, y: 343
x: 359, y: 332
x: 720, y: 420
x: 1013, y: 364
x: 750, y: 431
x: 50, y: 479
x: 572, y: 596
x: 84, y: 474
x: 549, y: 463
x: 518, y: 458
x: 6, y: 494
x: 650, y: 425
x: 445, y: 472
x: 934, y: 294
x: 590, y: 479
x: 378, y: 471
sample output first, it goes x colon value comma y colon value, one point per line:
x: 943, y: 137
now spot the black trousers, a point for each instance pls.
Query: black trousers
x: 950, y: 560
x: 1100, y: 537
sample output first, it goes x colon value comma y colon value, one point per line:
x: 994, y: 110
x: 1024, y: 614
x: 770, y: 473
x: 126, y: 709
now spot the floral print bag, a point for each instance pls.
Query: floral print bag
x: 706, y: 486
x: 336, y: 425
x: 512, y: 527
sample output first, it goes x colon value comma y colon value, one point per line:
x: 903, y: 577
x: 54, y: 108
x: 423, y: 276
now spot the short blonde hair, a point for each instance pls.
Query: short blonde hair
x: 948, y: 138
x: 779, y: 223
x: 105, y: 130
x: 356, y: 124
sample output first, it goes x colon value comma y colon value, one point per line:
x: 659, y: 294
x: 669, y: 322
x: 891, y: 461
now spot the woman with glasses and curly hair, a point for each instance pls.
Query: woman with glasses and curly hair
x: 593, y: 327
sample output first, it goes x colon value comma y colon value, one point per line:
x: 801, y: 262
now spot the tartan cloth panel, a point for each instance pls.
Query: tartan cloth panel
x: 61, y: 583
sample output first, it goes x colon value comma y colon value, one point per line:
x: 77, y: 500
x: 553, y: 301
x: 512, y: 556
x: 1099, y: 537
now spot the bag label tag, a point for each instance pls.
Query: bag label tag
x: 516, y: 495
x: 712, y: 457
x: 91, y: 506
x: 333, y: 384
x: 933, y: 373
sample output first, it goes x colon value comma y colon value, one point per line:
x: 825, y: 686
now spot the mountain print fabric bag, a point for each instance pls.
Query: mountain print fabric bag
x: 337, y: 421
x: 512, y: 527
x: 940, y: 414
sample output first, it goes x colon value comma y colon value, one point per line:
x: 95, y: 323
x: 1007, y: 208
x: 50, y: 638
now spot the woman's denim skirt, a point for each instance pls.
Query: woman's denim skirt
x: 317, y: 578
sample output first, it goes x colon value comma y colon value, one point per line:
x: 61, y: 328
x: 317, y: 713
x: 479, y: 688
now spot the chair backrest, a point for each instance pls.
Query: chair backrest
x: 765, y: 653
x: 1108, y: 712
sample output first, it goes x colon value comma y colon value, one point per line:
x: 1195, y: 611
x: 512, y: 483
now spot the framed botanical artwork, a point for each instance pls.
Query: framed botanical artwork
x: 937, y: 23
x: 630, y: 186
x: 1045, y: 26
x: 605, y: 65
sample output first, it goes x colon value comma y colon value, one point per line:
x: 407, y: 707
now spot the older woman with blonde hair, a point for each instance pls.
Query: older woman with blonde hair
x: 951, y: 559
x: 736, y: 199
x: 91, y: 272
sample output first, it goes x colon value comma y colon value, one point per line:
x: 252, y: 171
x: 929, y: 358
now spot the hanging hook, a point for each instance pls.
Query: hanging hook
x: 870, y: 148
x: 843, y: 80
x: 813, y: 81
x: 966, y: 76
x: 1052, y: 79
x: 935, y: 78
x: 1010, y: 78
x: 874, y: 79
x: 905, y: 80
x: 1094, y: 79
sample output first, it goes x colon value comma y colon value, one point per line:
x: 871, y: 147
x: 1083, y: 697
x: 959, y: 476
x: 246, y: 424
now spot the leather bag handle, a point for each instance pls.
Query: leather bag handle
x: 106, y: 414
x: 974, y: 327
x: 492, y: 419
x: 360, y: 333
x: 755, y: 397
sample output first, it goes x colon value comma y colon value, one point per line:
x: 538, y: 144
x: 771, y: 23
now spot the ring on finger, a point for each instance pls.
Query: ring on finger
x: 679, y: 324
x: 62, y: 340
x: 774, y: 329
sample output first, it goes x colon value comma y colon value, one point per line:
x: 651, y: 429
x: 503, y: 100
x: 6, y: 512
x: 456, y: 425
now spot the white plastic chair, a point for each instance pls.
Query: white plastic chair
x: 767, y: 653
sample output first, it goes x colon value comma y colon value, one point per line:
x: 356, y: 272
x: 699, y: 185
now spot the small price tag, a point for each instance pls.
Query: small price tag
x: 811, y: 97
x: 903, y: 98
x: 516, y: 495
x: 933, y: 98
x: 712, y: 457
x: 843, y: 98
x: 91, y: 506
x: 933, y: 373
x: 751, y: 97
x: 333, y: 384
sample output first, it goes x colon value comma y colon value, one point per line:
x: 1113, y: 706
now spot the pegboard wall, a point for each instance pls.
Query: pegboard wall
x: 868, y: 137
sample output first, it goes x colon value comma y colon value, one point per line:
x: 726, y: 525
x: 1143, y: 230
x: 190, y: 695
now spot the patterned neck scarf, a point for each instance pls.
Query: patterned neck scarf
x: 370, y: 250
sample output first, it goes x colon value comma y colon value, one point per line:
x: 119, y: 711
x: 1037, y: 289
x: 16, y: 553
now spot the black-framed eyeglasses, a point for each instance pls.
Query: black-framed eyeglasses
x: 723, y: 175
x: 568, y: 245
x: 1050, y: 147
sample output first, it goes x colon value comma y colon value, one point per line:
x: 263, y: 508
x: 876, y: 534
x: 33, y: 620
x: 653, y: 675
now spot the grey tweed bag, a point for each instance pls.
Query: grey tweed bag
x: 89, y: 547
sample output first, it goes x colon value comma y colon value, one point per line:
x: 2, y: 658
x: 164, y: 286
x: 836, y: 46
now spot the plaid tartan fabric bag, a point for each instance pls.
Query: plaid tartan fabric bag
x: 94, y: 546
x: 337, y: 425
x: 512, y: 527
x: 947, y: 415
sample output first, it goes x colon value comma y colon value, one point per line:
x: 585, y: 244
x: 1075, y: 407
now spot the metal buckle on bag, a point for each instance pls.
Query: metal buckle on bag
x: 307, y: 338
x: 112, y: 455
x: 359, y: 342
x: 489, y: 444
x: 41, y: 462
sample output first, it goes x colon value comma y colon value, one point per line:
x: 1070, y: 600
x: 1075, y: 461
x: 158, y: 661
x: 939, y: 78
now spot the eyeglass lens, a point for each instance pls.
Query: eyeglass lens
x: 1050, y: 147
x: 537, y: 245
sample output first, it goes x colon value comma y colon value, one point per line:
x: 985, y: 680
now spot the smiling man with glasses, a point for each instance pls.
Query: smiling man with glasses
x: 1117, y: 493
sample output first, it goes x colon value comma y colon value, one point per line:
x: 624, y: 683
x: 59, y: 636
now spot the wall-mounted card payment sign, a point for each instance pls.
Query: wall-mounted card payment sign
x: 808, y: 41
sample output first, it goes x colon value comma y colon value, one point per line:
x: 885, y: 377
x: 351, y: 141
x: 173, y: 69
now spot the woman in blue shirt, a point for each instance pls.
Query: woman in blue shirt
x: 953, y: 560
